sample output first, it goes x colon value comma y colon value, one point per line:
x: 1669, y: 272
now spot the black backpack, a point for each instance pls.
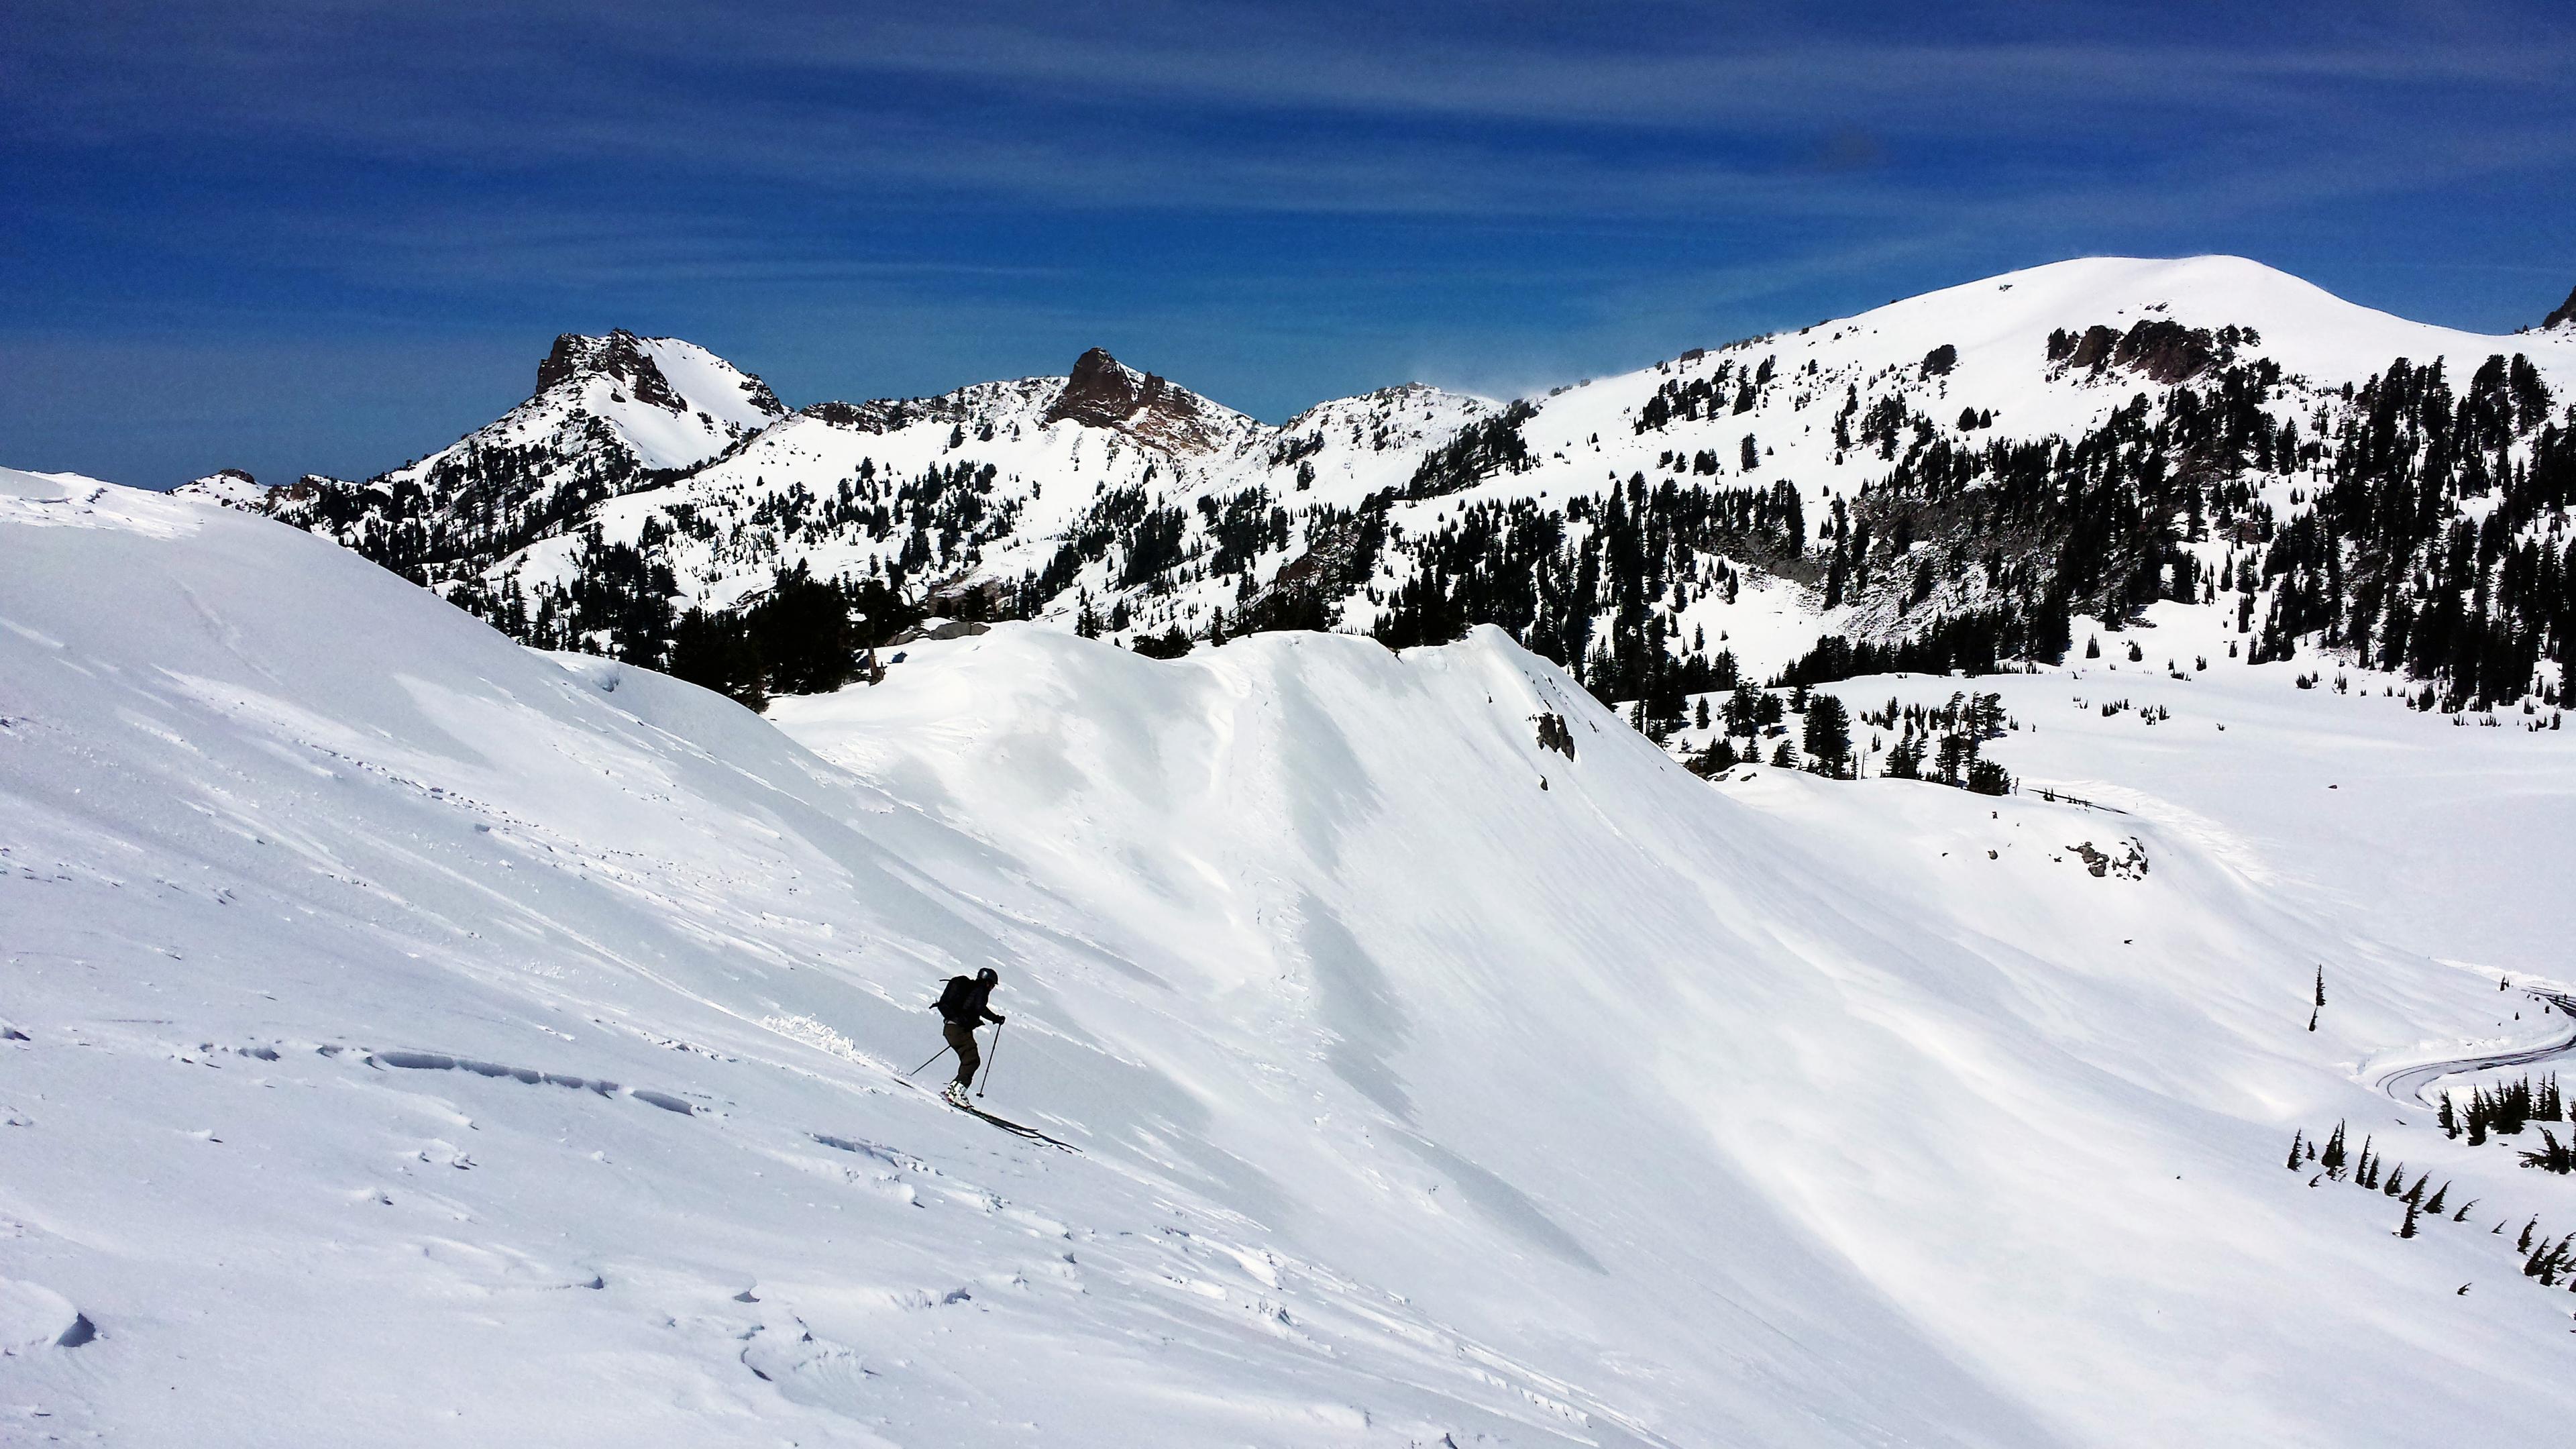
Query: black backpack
x: 957, y: 999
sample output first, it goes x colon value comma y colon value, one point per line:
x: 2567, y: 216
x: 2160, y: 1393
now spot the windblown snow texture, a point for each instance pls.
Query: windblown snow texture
x: 410, y: 1030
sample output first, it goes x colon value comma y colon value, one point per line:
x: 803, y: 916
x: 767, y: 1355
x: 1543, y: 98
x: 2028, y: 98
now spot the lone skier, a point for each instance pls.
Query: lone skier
x: 963, y: 1006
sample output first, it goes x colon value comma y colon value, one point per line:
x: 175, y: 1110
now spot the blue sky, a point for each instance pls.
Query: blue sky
x: 329, y: 236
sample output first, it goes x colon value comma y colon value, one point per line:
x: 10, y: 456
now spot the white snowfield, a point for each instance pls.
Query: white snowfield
x: 406, y: 1038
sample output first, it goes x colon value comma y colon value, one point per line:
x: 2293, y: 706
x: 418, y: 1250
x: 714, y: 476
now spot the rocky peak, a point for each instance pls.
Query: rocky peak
x: 619, y: 356
x: 1103, y: 392
x: 2565, y: 316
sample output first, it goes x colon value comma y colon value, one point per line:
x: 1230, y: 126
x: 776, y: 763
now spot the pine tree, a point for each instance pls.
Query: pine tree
x: 2298, y: 1142
x: 1905, y: 762
x: 2332, y: 1159
x: 2552, y: 1157
x: 1828, y: 735
x: 1744, y: 711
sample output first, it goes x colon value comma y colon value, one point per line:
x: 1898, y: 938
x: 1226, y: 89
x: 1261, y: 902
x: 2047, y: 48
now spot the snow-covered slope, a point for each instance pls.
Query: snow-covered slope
x: 228, y: 487
x: 1999, y: 331
x: 410, y: 1031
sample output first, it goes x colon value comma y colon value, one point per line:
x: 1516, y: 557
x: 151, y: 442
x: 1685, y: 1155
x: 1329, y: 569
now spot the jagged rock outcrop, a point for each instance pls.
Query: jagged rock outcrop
x: 2160, y: 348
x: 1102, y: 392
x: 617, y: 356
x: 625, y: 359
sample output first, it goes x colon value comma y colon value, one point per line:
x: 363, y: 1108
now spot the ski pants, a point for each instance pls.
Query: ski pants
x: 961, y: 1040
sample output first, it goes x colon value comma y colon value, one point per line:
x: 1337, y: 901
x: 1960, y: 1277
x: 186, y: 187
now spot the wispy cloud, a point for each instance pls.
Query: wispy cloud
x: 1642, y: 109
x: 1296, y: 198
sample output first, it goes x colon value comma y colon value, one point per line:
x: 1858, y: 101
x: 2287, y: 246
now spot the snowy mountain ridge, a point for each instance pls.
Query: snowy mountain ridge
x: 609, y: 414
x: 1963, y: 471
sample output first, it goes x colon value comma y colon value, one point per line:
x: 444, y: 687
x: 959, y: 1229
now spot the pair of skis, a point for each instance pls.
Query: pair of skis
x: 1017, y: 1128
x: 1020, y: 1129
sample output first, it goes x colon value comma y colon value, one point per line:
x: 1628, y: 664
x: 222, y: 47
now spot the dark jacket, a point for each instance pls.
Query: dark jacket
x: 967, y: 1002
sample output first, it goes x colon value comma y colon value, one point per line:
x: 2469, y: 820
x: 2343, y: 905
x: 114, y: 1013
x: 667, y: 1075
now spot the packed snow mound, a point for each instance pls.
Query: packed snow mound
x: 228, y: 488
x: 1986, y: 346
x: 513, y: 1040
x: 73, y: 500
x: 2310, y: 331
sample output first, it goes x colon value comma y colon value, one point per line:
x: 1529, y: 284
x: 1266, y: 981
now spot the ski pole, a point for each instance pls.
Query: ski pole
x: 995, y: 1057
x: 934, y: 1056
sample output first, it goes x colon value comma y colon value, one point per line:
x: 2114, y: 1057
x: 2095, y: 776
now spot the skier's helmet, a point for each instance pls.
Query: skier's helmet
x: 988, y: 975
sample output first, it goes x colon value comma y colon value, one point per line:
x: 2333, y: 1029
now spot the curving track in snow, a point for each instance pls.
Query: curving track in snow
x: 2407, y: 1084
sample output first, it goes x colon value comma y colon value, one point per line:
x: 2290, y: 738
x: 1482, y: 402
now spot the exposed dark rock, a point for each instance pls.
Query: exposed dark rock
x: 1553, y: 734
x: 2129, y: 864
x: 2159, y: 347
x: 619, y: 356
x: 2566, y: 313
x: 1102, y: 393
x: 2166, y: 350
x: 2094, y: 347
x: 884, y: 415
